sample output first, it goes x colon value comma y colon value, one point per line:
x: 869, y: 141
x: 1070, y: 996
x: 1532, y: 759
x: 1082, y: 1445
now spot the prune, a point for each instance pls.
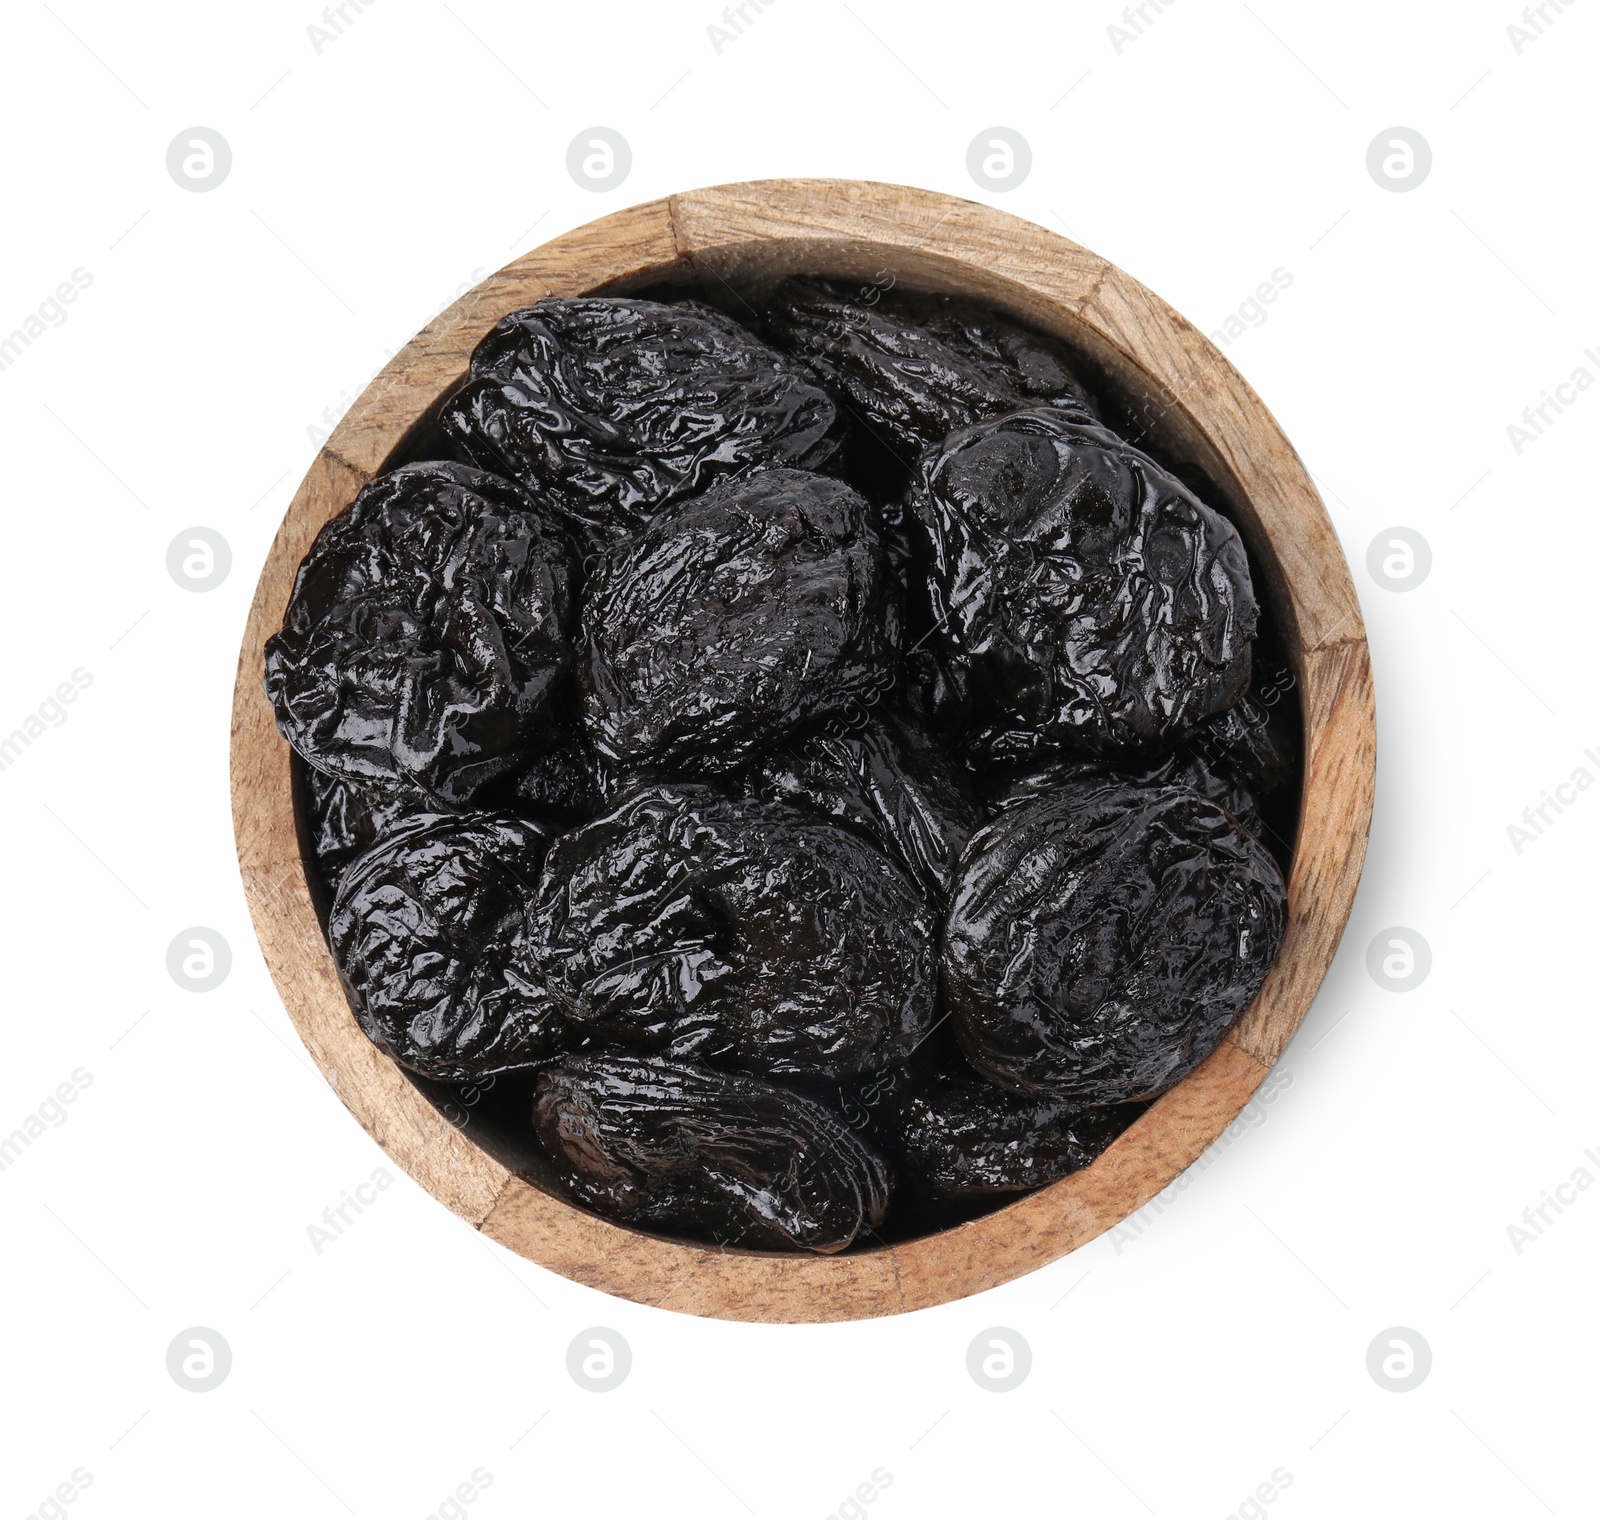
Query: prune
x: 913, y: 368
x: 1081, y: 594
x: 348, y: 817
x: 561, y: 777
x: 1102, y: 938
x: 886, y: 781
x: 733, y: 620
x: 429, y: 930
x: 676, y: 1147
x: 427, y: 631
x: 610, y: 408
x: 950, y: 1137
x: 1187, y: 767
x: 738, y: 933
x: 1258, y: 739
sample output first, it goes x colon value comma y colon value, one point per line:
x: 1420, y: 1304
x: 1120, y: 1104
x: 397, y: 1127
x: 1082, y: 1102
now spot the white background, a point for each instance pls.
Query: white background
x: 376, y: 179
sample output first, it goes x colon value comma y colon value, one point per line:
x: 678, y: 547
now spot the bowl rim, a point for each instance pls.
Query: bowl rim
x: 1202, y: 407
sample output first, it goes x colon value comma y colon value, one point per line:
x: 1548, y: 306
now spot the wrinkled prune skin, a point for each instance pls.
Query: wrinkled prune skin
x: 911, y: 368
x: 348, y: 817
x: 887, y: 782
x: 1102, y: 938
x: 1080, y: 593
x: 737, y: 933
x: 560, y: 778
x: 1185, y: 768
x: 427, y: 631
x: 958, y: 1137
x: 734, y: 620
x: 1258, y: 739
x: 610, y: 408
x: 429, y: 931
x: 678, y: 1148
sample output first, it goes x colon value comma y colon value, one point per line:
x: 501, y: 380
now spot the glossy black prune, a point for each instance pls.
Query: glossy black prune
x: 678, y: 1148
x: 1082, y: 597
x: 429, y: 931
x: 913, y: 368
x: 610, y: 408
x: 1102, y: 938
x: 348, y: 817
x: 884, y: 780
x: 950, y: 1136
x: 1258, y: 739
x: 427, y: 631
x: 1187, y: 767
x: 738, y: 933
x: 561, y: 778
x: 732, y: 621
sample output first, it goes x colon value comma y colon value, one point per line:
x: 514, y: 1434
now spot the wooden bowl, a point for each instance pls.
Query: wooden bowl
x: 1203, y: 415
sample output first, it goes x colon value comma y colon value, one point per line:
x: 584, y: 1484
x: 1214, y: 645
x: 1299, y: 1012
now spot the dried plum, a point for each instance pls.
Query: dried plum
x: 733, y: 620
x: 1103, y: 937
x: 1081, y: 594
x: 561, y: 777
x: 429, y: 930
x: 1187, y: 767
x: 954, y: 1137
x: 675, y: 1147
x: 886, y: 781
x: 610, y: 407
x: 738, y: 933
x: 427, y: 631
x: 1258, y: 739
x: 348, y: 817
x: 913, y: 368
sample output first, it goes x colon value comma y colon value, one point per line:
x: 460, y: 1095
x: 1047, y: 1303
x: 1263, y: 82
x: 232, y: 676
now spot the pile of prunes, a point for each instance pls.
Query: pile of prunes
x: 790, y: 776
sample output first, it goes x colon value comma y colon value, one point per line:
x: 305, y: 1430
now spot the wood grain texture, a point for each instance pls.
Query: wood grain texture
x: 1197, y: 406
